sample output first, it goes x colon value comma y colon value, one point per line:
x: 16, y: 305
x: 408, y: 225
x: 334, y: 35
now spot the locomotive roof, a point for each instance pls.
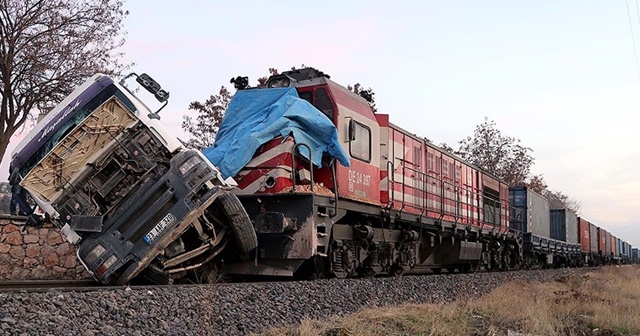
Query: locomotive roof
x: 442, y: 150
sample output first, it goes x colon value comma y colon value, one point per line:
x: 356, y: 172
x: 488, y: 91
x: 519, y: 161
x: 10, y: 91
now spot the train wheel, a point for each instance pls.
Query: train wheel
x: 319, y: 268
x: 397, y: 270
x: 510, y: 258
x: 436, y: 270
x: 471, y: 267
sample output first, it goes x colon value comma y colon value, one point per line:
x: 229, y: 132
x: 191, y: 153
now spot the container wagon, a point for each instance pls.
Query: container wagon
x: 602, y: 246
x: 615, y: 253
x: 588, y: 241
x: 564, y: 232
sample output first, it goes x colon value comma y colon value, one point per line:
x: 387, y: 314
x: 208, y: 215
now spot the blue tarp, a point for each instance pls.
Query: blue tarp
x: 256, y: 116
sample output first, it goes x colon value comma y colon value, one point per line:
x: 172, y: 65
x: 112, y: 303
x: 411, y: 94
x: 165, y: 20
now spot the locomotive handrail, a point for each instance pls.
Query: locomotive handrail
x: 285, y: 168
x: 457, y: 191
x: 391, y: 182
x: 335, y: 189
x: 442, y: 199
x: 424, y: 186
x: 451, y: 186
x: 293, y: 166
x: 404, y: 166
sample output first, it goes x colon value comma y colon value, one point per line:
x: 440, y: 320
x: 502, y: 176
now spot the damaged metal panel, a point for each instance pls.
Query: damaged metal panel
x: 82, y: 145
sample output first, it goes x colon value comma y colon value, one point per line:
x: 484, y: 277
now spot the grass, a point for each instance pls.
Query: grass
x: 605, y: 301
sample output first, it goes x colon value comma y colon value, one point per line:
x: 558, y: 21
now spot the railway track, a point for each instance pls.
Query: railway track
x: 49, y: 285
x: 39, y: 286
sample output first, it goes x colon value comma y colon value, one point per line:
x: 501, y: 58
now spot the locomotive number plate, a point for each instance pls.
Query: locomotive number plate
x: 157, y: 230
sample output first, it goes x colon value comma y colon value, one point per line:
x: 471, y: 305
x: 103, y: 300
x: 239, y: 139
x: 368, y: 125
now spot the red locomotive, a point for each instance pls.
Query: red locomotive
x: 403, y: 205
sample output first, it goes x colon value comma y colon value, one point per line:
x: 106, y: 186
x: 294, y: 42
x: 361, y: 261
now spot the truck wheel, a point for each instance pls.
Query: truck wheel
x: 234, y: 213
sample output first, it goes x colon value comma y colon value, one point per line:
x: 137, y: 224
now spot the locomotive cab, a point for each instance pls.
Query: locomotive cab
x: 358, y: 130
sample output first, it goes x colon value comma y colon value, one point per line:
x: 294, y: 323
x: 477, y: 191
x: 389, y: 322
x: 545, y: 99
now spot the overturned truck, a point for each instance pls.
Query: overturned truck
x: 103, y: 168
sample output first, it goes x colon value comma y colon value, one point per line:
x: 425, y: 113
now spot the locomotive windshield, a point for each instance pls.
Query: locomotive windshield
x: 320, y: 99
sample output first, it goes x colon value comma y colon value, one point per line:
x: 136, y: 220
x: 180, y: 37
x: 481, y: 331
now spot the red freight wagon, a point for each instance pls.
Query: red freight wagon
x: 584, y: 235
x: 602, y: 240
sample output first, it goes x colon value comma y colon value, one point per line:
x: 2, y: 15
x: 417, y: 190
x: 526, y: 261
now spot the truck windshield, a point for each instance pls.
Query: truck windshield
x: 79, y: 116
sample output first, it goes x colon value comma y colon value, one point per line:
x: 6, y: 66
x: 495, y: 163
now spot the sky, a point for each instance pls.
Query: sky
x: 560, y: 76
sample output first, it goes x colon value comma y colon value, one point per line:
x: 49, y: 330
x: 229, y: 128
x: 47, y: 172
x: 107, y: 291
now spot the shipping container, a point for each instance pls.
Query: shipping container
x: 614, y: 247
x: 535, y: 210
x: 564, y: 225
x: 602, y: 238
x: 593, y: 238
x: 619, y: 246
x: 607, y: 241
x: 585, y: 234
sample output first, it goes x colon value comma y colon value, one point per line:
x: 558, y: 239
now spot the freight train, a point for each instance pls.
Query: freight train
x: 304, y: 179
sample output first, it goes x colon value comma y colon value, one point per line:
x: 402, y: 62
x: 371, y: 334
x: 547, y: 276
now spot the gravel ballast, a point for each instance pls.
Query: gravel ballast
x: 233, y: 309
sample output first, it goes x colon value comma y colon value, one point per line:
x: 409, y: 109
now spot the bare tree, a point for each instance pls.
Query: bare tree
x: 446, y: 147
x: 47, y: 47
x: 557, y: 199
x: 536, y: 183
x: 500, y: 155
x: 205, y: 126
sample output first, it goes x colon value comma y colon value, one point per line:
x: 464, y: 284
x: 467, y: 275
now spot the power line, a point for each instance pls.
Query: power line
x: 638, y: 12
x: 633, y: 39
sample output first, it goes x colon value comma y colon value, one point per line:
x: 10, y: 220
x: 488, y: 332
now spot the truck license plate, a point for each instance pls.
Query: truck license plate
x: 155, y: 232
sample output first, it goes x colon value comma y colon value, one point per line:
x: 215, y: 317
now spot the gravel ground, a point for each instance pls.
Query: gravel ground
x: 232, y: 309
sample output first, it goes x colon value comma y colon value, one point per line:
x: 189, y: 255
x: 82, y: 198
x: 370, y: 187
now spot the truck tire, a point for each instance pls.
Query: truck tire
x: 236, y: 216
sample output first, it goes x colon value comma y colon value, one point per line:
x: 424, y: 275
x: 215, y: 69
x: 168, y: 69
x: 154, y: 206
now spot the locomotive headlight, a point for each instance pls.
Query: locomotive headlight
x: 190, y: 163
x: 279, y: 82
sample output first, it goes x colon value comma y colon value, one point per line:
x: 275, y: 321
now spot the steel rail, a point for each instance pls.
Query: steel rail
x: 48, y: 285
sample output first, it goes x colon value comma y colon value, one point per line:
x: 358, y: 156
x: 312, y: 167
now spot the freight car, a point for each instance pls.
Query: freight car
x: 564, y: 231
x: 548, y: 235
x: 615, y: 254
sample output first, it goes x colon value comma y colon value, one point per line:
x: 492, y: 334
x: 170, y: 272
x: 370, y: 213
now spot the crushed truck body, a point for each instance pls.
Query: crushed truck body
x: 123, y: 189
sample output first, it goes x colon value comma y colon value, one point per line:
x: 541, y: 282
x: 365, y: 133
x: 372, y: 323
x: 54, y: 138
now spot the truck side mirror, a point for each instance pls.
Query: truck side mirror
x: 14, y: 177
